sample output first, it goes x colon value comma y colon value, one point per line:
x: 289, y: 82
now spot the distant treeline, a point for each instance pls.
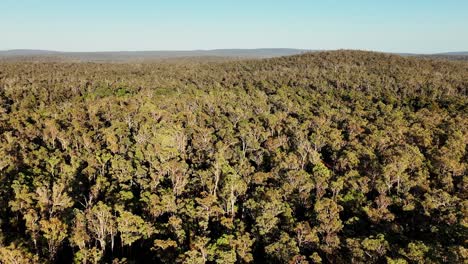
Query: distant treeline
x: 217, y: 55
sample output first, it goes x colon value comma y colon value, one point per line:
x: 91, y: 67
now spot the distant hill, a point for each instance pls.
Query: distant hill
x: 26, y: 52
x: 456, y: 53
x: 149, y: 55
x: 217, y: 54
x: 454, y: 56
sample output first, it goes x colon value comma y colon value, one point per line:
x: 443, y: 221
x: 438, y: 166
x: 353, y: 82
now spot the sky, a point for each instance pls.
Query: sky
x: 416, y: 26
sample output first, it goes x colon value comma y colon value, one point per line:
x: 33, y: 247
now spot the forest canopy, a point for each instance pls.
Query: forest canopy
x: 329, y: 157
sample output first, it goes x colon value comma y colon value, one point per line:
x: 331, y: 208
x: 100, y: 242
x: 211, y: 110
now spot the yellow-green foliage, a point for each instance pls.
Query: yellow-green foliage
x: 330, y: 157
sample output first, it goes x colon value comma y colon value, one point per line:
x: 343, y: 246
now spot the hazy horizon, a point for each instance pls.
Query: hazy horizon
x: 457, y: 52
x: 397, y: 27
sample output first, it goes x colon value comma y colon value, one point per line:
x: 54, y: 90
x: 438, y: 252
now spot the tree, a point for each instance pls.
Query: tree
x: 321, y: 176
x: 329, y: 223
x: 55, y: 231
x: 101, y: 224
x: 233, y: 187
x: 131, y: 227
x: 284, y: 249
x: 17, y: 255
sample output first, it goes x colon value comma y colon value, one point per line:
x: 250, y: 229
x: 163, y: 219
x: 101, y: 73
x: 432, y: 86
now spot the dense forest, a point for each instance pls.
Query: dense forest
x: 328, y: 157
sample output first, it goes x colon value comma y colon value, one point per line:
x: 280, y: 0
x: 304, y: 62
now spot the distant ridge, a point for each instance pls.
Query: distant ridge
x: 148, y: 55
x: 122, y: 56
x: 456, y: 53
x: 27, y: 52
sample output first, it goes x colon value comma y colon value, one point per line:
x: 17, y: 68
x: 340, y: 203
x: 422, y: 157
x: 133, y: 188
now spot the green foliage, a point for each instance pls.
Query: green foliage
x: 131, y: 227
x: 331, y: 157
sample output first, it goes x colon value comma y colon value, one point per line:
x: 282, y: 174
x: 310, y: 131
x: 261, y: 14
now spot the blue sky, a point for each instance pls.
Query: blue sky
x: 395, y: 26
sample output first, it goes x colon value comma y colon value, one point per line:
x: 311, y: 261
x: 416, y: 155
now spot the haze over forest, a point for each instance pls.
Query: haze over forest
x: 122, y: 56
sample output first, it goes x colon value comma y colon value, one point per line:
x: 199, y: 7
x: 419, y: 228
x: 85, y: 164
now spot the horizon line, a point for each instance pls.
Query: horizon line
x: 226, y: 49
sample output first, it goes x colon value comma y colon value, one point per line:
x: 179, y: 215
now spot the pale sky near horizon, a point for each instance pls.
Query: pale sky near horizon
x: 414, y: 26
